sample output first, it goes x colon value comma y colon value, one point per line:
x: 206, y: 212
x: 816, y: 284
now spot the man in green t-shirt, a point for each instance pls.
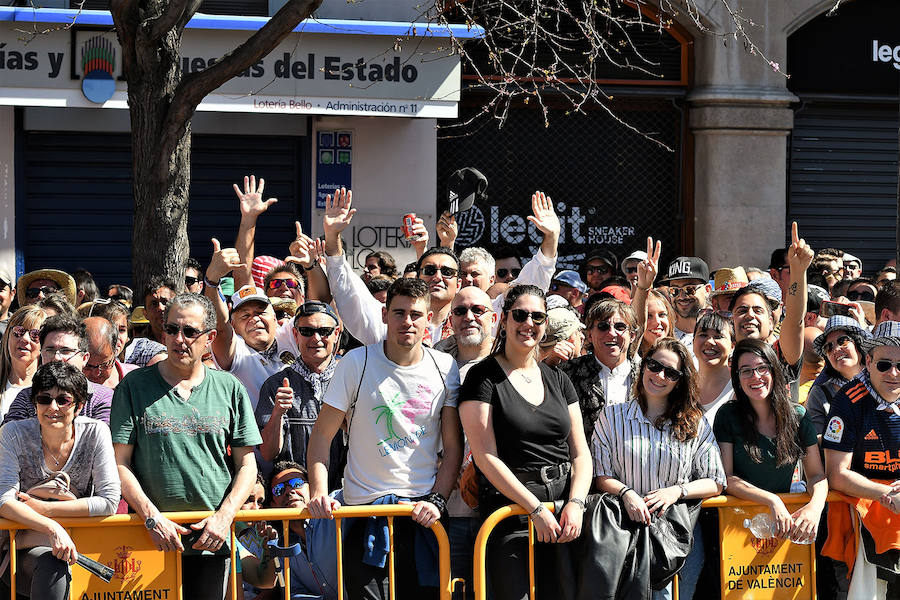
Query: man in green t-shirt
x: 172, y: 424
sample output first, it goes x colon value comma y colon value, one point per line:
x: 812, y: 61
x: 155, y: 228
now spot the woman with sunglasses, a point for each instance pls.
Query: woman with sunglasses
x: 657, y: 449
x: 19, y: 351
x: 523, y: 424
x: 763, y: 434
x: 841, y: 347
x: 59, y: 465
x: 658, y: 323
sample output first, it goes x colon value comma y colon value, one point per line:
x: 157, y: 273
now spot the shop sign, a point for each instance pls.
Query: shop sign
x: 371, y: 231
x: 334, y: 163
x: 772, y: 569
x: 309, y: 73
x: 141, y: 571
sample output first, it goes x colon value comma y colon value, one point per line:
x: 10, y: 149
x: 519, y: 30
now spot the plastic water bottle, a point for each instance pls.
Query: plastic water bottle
x: 762, y: 526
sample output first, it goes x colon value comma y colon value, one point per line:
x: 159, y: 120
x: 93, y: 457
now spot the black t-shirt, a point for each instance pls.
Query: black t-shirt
x: 528, y: 437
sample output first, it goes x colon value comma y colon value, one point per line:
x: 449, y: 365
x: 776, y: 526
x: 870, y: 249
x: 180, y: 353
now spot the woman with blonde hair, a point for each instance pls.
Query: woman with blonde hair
x: 19, y: 351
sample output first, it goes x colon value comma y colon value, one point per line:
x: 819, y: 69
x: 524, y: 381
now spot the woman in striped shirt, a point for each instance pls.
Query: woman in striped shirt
x: 658, y: 449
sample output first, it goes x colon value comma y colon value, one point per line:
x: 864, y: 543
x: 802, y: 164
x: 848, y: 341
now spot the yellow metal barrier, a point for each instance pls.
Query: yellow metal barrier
x: 480, y: 554
x: 92, y: 525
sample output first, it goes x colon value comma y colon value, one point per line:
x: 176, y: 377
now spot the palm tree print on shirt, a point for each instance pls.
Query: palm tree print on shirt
x: 408, y: 409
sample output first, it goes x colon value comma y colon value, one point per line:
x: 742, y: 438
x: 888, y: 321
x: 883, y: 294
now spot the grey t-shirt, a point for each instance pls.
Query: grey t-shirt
x: 91, y: 466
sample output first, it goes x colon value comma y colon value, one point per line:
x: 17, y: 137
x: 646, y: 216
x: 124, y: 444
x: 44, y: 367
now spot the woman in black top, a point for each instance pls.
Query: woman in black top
x: 523, y: 424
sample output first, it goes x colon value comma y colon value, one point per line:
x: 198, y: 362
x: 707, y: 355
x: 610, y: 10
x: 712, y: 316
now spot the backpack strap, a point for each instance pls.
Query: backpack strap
x: 352, y: 408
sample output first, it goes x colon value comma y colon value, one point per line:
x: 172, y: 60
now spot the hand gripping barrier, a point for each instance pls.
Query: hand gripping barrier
x: 719, y: 502
x: 107, y: 540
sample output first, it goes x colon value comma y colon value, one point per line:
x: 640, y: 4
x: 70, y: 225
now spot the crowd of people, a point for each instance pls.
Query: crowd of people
x: 463, y: 382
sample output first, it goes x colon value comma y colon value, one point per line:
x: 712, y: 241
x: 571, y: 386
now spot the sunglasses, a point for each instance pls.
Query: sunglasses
x: 311, y: 331
x: 631, y: 270
x: 856, y: 295
x: 884, y: 366
x: 604, y: 326
x: 688, y: 290
x: 748, y: 372
x: 841, y: 342
x: 431, y: 271
x: 189, y: 281
x: 371, y: 267
x: 159, y: 302
x: 37, y: 291
x: 188, y: 331
x: 598, y: 269
x: 33, y: 334
x: 47, y: 399
x: 668, y: 372
x: 477, y: 310
x: 288, y: 283
x: 520, y: 316
x: 502, y: 273
x: 294, y: 483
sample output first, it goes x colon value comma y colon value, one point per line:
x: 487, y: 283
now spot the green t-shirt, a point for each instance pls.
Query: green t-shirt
x: 764, y: 475
x: 181, y: 456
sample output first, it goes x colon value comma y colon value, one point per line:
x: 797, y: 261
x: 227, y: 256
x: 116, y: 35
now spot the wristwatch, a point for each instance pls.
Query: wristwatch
x: 150, y: 523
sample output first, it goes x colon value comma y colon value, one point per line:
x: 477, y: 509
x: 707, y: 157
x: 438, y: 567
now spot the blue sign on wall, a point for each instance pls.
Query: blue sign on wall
x: 334, y: 161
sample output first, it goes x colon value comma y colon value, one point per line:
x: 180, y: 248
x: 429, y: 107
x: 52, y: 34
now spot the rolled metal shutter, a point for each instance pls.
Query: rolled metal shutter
x: 843, y: 178
x: 77, y: 202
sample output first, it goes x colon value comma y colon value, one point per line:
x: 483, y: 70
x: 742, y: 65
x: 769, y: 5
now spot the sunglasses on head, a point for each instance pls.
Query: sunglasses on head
x: 37, y: 291
x: 520, y: 316
x: 47, y: 399
x: 311, y: 331
x: 294, y: 483
x: 189, y: 281
x: 864, y: 295
x: 188, y: 331
x: 502, y: 273
x: 288, y: 283
x: 604, y: 326
x: 884, y: 366
x: 33, y: 334
x: 477, y: 310
x: 669, y: 373
x: 841, y: 342
x: 431, y: 271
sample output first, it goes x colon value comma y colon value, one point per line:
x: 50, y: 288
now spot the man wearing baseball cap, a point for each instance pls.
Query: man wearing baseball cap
x: 567, y: 284
x: 688, y: 281
x: 630, y: 266
x: 862, y: 458
x: 598, y: 266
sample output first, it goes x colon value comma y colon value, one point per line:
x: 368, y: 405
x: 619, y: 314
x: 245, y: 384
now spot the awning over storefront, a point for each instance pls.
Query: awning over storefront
x: 334, y: 67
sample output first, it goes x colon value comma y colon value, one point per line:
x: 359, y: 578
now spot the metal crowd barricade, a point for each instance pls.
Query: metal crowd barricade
x: 480, y: 554
x: 99, y: 525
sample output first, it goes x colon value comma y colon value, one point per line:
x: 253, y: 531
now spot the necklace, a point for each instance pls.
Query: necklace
x: 525, y: 377
x: 53, y: 456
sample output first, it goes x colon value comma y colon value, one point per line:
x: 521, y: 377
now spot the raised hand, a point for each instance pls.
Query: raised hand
x: 338, y: 211
x: 224, y: 260
x: 251, y: 199
x: 447, y: 230
x: 301, y: 248
x: 649, y: 269
x: 543, y: 216
x: 799, y: 254
x: 419, y: 241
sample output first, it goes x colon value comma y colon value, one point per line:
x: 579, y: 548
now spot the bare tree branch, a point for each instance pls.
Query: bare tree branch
x: 173, y: 13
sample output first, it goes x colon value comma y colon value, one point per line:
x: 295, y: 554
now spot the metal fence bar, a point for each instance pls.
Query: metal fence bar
x: 339, y: 545
x: 12, y: 565
x: 232, y: 571
x: 532, y: 591
x: 391, y: 590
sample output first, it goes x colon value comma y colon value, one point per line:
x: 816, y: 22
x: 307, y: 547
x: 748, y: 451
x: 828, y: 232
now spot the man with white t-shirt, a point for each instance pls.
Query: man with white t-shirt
x: 399, y: 400
x: 250, y: 345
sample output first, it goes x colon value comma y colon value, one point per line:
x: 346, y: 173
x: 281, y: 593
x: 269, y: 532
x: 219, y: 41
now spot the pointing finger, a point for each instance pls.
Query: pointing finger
x: 216, y: 246
x: 299, y: 229
x: 795, y: 236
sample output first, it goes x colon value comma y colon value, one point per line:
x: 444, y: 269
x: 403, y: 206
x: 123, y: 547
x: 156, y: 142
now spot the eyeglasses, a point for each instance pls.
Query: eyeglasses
x: 520, y: 316
x: 64, y: 353
x: 189, y: 281
x: 101, y: 366
x: 503, y: 273
x: 842, y: 342
x: 288, y: 283
x: 631, y: 270
x: 431, y: 271
x: 602, y: 269
x: 669, y: 373
x: 477, y: 310
x: 311, y: 331
x: 604, y: 326
x: 47, y: 399
x: 857, y: 295
x: 189, y: 331
x: 884, y: 366
x: 748, y: 372
x: 46, y: 290
x: 294, y: 483
x: 33, y: 334
x: 688, y: 290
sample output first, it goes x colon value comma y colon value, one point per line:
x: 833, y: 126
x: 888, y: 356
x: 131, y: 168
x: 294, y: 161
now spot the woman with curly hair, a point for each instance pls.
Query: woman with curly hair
x: 657, y: 448
x: 762, y: 435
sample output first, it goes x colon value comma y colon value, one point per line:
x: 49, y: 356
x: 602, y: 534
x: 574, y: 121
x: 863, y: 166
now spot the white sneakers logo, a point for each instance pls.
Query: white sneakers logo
x: 886, y: 54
